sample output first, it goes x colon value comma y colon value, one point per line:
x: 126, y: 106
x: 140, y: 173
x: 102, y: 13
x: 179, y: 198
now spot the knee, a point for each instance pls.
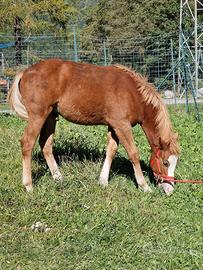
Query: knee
x: 134, y: 157
x: 112, y: 149
x: 47, y: 150
x: 25, y: 146
x: 46, y: 146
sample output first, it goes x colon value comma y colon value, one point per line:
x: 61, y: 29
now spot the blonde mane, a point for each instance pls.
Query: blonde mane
x: 151, y: 96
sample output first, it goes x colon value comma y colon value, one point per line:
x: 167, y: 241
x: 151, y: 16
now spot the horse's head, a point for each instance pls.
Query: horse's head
x: 163, y: 163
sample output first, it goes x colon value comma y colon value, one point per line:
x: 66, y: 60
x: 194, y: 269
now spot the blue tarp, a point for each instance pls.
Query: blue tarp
x: 7, y: 45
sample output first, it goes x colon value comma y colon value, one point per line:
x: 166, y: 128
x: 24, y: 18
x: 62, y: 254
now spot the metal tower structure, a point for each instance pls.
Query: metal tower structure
x: 190, y: 45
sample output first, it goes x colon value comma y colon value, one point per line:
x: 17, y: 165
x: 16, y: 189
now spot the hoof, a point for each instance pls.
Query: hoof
x: 57, y: 176
x: 146, y: 188
x: 29, y: 188
x: 103, y: 182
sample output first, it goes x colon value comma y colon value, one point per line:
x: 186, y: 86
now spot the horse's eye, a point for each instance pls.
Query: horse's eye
x: 166, y: 163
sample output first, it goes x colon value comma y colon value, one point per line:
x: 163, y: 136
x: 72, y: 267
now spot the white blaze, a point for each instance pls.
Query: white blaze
x: 172, y: 161
x: 168, y: 188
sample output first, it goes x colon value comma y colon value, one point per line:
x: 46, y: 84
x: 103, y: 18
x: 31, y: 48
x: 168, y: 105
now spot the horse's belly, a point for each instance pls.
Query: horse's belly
x: 83, y: 116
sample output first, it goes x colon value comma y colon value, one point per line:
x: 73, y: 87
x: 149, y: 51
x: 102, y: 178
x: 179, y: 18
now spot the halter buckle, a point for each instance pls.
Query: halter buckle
x: 160, y: 179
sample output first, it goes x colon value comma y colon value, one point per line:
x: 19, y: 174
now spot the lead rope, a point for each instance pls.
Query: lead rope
x: 168, y: 179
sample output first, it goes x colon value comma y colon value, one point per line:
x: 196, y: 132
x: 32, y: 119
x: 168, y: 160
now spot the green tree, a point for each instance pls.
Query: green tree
x: 128, y: 18
x: 34, y: 16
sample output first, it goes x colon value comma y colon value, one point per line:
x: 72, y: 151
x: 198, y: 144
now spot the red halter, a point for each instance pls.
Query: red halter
x: 159, y: 177
x: 165, y: 178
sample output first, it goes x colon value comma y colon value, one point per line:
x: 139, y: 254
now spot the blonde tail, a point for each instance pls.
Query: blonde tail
x: 15, y: 99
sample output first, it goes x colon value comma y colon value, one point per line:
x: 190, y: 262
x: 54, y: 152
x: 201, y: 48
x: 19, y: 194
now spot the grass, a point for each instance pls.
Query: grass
x: 117, y: 227
x: 4, y: 107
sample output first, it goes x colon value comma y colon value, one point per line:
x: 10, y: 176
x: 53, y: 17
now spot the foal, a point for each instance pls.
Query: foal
x: 92, y: 95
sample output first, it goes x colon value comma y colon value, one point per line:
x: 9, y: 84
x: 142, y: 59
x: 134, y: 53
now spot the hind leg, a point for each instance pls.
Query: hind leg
x: 124, y: 133
x: 46, y: 143
x: 27, y: 143
x: 111, y: 149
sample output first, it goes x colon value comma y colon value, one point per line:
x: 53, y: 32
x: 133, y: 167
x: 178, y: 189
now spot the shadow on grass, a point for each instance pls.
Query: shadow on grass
x: 122, y: 166
x: 70, y: 152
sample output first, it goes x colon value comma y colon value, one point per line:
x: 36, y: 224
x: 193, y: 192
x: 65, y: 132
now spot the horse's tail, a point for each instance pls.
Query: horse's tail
x: 15, y: 99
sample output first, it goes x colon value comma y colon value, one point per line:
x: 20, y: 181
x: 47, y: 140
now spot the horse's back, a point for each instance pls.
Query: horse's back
x: 83, y: 93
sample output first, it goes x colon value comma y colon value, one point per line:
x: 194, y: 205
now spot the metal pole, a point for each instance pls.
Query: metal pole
x: 185, y: 87
x: 2, y: 63
x: 180, y: 44
x: 75, y: 45
x: 158, y: 73
x: 105, y: 57
x: 174, y: 80
x: 28, y: 54
x: 198, y: 117
x: 196, y: 52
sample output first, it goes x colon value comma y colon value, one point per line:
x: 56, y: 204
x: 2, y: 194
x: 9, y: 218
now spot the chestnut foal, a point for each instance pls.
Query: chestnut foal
x: 92, y: 95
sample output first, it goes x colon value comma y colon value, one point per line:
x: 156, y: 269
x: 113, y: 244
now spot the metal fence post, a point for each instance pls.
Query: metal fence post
x: 174, y: 80
x: 28, y: 54
x: 75, y: 44
x: 105, y: 56
x: 2, y: 63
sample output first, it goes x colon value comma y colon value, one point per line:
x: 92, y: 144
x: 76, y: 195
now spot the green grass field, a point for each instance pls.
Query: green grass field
x: 91, y: 227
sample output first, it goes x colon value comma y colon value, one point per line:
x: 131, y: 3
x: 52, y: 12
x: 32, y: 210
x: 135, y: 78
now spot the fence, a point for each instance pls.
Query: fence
x: 148, y: 56
x: 152, y: 56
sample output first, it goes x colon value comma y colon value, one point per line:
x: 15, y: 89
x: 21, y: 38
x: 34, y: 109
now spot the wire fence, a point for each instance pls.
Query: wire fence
x: 153, y: 56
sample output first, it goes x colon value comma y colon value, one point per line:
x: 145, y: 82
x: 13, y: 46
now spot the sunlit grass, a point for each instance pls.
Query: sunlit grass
x: 91, y: 227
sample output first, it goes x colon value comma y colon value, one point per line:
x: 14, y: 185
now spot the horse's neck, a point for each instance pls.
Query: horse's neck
x: 149, y: 128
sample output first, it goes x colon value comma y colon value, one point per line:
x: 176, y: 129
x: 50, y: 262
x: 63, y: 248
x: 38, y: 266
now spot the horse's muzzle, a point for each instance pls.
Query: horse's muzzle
x: 166, y: 182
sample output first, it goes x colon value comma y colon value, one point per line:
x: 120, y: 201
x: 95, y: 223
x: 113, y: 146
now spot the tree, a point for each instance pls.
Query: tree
x: 128, y: 18
x: 34, y: 16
